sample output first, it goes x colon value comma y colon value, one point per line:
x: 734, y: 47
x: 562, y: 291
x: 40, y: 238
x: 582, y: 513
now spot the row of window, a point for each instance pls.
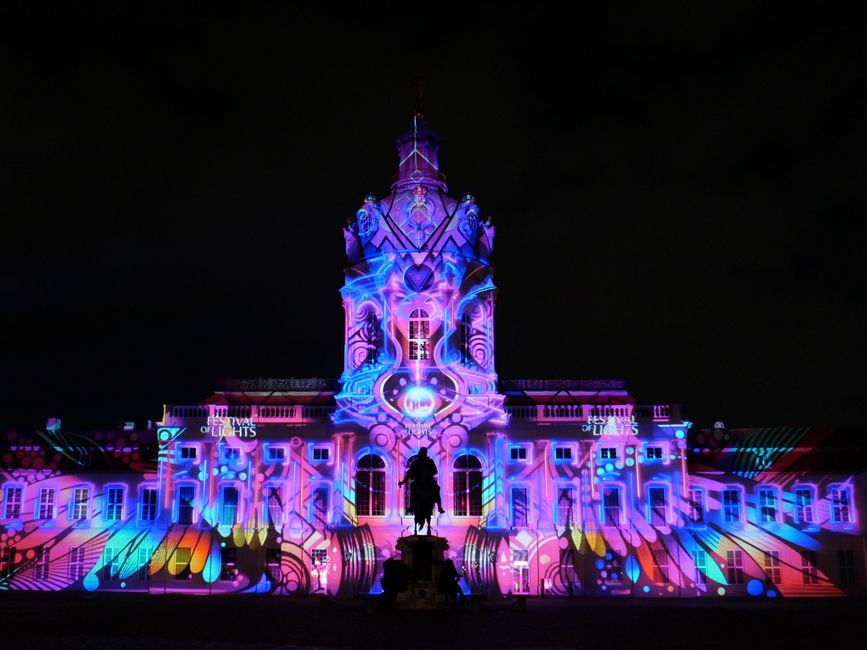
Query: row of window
x: 568, y: 452
x: 370, y: 492
x: 517, y: 453
x: 114, y: 558
x: 274, y: 453
x: 768, y: 504
x: 772, y: 565
x: 79, y: 506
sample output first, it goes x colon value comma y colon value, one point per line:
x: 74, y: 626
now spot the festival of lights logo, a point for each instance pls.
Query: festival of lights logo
x: 419, y: 402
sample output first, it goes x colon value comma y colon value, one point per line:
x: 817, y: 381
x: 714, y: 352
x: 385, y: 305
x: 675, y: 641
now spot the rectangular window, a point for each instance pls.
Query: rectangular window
x: 228, y: 563
x: 615, y: 570
x: 700, y: 557
x: 114, y: 503
x: 519, y: 507
x: 418, y: 350
x: 79, y: 505
x: 517, y: 452
x: 611, y: 505
x: 321, y: 454
x: 46, y: 503
x: 773, y: 567
x: 272, y: 562
x: 319, y: 556
x: 183, y: 555
x: 12, y: 501
x: 275, y: 505
x: 608, y: 453
x: 144, y: 563
x: 275, y: 454
x: 566, y: 506
x: 567, y: 569
x: 188, y: 452
x: 76, y: 563
x: 229, y: 510
x: 320, y: 505
x: 653, y: 453
x: 767, y: 505
x: 110, y: 565
x: 230, y: 454
x: 419, y: 335
x: 660, y: 564
x: 186, y: 504
x: 841, y: 500
x: 7, y: 561
x: 735, y: 566
x: 149, y: 504
x: 731, y: 501
x: 562, y: 453
x: 804, y: 499
x: 657, y: 505
x: 520, y: 571
x: 808, y: 568
x: 43, y: 559
x: 696, y: 505
x: 846, y: 563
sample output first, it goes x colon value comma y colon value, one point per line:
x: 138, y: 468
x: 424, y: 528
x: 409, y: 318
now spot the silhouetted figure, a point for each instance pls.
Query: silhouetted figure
x: 424, y: 490
x: 395, y: 580
x: 448, y: 584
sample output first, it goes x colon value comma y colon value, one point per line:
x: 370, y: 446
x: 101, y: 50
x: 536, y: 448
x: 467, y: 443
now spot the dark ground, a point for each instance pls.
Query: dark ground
x: 131, y: 621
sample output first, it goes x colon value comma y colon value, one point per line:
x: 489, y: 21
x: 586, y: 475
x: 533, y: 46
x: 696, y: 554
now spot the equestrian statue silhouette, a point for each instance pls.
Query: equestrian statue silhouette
x: 424, y: 490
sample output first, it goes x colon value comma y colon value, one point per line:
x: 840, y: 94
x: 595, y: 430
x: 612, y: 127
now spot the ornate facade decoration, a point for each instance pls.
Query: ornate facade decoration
x: 559, y: 487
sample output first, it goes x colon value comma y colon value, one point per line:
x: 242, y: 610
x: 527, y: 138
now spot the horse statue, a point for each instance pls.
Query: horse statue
x: 421, y: 499
x: 424, y: 490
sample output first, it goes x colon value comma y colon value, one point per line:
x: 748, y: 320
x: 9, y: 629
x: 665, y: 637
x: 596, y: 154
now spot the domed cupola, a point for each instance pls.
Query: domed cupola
x: 417, y: 150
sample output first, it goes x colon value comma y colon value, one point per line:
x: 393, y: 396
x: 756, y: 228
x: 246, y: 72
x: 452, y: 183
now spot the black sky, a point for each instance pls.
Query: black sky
x: 678, y: 190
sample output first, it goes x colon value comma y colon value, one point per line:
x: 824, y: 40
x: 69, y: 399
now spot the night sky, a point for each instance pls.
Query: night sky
x: 678, y: 191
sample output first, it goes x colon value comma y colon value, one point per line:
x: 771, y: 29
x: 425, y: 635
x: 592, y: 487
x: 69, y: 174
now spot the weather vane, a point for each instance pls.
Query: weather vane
x: 416, y: 88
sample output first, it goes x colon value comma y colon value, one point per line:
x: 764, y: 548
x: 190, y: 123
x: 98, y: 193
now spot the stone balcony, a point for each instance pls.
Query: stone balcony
x: 264, y: 414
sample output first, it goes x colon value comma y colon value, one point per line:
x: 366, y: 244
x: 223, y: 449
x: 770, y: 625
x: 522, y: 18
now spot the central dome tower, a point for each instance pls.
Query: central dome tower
x: 419, y: 301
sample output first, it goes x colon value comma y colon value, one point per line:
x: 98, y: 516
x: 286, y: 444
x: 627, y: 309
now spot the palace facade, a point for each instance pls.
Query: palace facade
x: 563, y: 488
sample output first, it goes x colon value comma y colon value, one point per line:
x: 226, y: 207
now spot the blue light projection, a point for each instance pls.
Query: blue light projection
x: 561, y: 487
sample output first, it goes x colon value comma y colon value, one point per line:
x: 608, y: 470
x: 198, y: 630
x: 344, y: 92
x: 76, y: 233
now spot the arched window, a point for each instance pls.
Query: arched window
x: 467, y: 483
x: 370, y: 486
x: 419, y: 334
x: 407, y: 508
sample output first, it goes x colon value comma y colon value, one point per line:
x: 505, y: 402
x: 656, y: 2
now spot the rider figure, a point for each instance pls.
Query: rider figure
x: 423, y: 471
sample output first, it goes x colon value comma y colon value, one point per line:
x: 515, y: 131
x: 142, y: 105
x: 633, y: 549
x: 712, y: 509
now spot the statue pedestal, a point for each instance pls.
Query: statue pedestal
x: 423, y: 556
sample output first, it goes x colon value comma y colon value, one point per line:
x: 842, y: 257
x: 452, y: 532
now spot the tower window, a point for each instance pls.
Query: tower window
x: 419, y: 335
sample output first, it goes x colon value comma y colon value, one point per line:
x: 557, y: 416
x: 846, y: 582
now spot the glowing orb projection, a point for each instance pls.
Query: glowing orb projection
x: 418, y: 402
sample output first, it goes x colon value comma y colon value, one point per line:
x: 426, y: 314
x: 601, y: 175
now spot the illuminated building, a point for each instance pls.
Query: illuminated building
x: 557, y: 487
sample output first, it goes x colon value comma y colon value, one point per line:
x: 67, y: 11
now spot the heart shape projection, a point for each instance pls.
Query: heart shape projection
x: 418, y: 278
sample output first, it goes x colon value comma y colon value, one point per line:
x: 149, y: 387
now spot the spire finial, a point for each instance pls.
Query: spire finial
x: 416, y: 89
